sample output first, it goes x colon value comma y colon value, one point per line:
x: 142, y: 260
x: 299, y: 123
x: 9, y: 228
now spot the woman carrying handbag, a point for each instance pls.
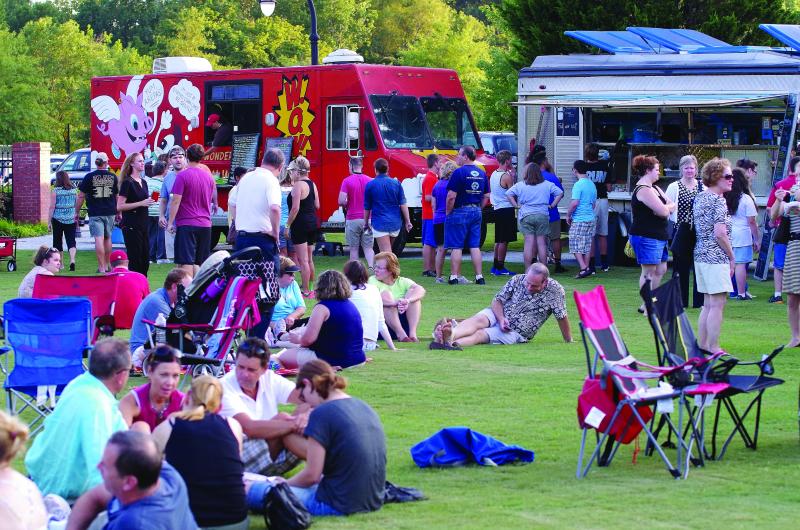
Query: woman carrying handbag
x: 682, y: 192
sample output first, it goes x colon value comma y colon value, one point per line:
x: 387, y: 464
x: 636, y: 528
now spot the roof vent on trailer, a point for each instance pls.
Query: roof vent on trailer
x: 174, y: 65
x: 342, y: 56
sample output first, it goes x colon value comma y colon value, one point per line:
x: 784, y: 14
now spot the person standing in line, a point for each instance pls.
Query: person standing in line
x: 258, y: 215
x: 533, y: 197
x: 99, y: 189
x: 284, y: 242
x: 133, y: 201
x: 351, y: 198
x: 540, y: 157
x: 744, y: 229
x: 193, y: 198
x: 439, y: 205
x: 428, y: 238
x: 779, y: 249
x: 62, y: 215
x: 302, y: 223
x: 238, y: 172
x: 177, y: 162
x: 158, y: 249
x: 467, y: 194
x: 713, y: 253
x: 505, y: 216
x: 682, y: 192
x: 597, y: 171
x: 792, y: 277
x: 581, y: 218
x: 385, y: 210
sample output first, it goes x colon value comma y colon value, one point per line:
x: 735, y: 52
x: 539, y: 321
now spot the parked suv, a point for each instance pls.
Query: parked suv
x: 77, y: 164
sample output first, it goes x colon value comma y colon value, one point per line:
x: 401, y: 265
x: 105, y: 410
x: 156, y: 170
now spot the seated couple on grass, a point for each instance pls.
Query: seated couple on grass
x: 517, y: 312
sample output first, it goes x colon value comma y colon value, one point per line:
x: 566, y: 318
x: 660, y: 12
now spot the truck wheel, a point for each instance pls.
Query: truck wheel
x: 216, y: 235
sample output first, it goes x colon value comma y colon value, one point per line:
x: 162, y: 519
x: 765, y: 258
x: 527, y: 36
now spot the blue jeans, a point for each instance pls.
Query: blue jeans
x: 308, y: 496
x: 462, y: 228
x: 269, y: 251
x: 158, y: 246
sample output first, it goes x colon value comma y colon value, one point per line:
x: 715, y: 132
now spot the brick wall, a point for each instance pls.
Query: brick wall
x: 31, y: 165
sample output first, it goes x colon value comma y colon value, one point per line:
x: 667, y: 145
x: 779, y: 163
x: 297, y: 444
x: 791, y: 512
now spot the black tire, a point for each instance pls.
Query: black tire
x: 11, y: 266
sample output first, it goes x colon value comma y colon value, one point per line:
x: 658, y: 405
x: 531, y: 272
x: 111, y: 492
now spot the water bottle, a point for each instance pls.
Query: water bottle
x: 161, y: 332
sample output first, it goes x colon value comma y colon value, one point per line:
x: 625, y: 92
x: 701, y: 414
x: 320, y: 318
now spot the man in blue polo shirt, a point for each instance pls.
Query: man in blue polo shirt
x: 385, y: 204
x: 467, y: 194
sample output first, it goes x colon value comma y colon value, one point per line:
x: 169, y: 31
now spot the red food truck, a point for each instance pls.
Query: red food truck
x: 326, y: 113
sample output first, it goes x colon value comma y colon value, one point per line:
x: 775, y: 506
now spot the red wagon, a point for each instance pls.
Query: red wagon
x: 8, y: 251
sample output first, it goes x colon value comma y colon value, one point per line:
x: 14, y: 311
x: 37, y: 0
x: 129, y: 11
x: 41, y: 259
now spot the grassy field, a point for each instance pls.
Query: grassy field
x: 526, y: 395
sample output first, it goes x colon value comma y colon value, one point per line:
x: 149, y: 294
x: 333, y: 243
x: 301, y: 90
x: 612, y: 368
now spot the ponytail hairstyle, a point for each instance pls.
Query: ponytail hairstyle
x: 204, y: 396
x: 321, y: 376
x: 13, y: 435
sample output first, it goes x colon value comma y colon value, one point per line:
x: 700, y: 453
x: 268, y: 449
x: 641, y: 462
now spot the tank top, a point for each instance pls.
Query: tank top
x: 147, y: 413
x: 307, y: 213
x: 206, y: 454
x: 341, y: 338
x: 499, y: 198
x: 65, y: 205
x: 645, y: 222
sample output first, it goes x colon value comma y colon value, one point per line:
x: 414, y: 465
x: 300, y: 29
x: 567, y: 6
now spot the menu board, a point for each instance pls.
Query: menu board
x: 245, y: 150
x: 284, y: 144
x: 567, y: 121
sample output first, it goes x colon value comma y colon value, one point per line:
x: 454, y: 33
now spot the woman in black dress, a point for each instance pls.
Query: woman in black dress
x: 302, y: 225
x: 133, y: 201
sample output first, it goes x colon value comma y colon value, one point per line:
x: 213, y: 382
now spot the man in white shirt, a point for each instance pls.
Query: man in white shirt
x: 258, y: 218
x: 251, y: 394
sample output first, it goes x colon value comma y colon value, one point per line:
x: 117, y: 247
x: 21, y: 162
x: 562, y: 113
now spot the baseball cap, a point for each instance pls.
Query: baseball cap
x: 288, y: 266
x: 214, y: 118
x: 102, y: 157
x: 118, y: 255
x: 177, y: 150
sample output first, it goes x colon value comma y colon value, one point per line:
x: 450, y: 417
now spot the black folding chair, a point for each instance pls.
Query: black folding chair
x: 676, y: 343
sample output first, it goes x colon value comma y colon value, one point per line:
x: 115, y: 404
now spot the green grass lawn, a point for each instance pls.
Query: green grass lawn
x: 527, y: 394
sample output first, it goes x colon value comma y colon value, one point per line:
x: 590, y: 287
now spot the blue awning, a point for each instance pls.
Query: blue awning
x: 617, y: 42
x: 683, y: 40
x: 632, y: 100
x: 788, y: 34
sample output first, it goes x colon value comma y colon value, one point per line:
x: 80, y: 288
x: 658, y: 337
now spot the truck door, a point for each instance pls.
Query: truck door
x: 342, y: 140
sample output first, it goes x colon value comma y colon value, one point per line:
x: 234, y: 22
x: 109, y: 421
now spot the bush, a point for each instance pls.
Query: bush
x: 12, y: 229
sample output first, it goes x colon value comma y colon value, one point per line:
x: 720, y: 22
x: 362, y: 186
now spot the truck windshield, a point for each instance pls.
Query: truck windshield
x: 450, y: 122
x: 401, y: 122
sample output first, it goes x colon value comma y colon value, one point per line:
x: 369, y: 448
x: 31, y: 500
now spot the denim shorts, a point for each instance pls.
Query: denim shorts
x: 284, y: 241
x: 101, y: 226
x: 779, y: 256
x: 649, y: 251
x: 427, y: 233
x: 743, y: 254
x: 462, y: 228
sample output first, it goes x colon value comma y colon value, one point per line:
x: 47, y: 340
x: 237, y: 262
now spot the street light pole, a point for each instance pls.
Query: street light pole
x: 268, y: 7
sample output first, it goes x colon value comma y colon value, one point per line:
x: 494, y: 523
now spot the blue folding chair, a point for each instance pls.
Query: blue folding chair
x: 48, y: 339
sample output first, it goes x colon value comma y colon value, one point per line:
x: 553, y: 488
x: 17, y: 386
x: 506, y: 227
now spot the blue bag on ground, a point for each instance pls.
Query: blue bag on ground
x: 456, y: 446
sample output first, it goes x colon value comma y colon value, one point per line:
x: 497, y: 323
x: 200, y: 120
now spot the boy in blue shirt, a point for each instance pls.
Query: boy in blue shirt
x: 581, y: 219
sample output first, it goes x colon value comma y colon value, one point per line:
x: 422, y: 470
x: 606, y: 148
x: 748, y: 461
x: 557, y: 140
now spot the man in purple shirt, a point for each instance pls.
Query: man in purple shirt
x: 193, y: 199
x: 351, y: 197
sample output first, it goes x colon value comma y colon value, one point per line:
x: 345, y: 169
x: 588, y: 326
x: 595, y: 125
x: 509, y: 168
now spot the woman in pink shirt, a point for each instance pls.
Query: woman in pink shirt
x: 146, y: 406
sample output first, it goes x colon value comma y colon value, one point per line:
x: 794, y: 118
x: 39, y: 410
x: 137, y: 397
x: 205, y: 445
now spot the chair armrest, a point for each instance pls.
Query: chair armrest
x: 4, y: 350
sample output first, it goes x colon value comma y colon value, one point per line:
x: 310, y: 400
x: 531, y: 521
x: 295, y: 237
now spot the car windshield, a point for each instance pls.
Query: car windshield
x: 450, y: 122
x: 401, y: 122
x: 507, y: 142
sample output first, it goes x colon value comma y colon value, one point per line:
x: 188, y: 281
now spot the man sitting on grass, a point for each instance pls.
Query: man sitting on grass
x: 515, y: 315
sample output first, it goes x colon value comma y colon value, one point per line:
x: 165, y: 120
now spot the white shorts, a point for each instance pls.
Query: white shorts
x: 601, y: 217
x: 379, y: 233
x: 496, y: 334
x: 713, y: 278
x: 304, y: 355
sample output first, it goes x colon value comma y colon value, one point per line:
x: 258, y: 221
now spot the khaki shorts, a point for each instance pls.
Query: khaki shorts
x: 496, y: 334
x: 535, y: 224
x: 101, y: 226
x: 601, y: 217
x: 555, y: 230
x: 713, y: 278
x: 355, y: 236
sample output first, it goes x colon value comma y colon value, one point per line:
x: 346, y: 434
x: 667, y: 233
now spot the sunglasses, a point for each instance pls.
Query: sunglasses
x: 251, y: 348
x: 177, y: 155
x: 727, y: 177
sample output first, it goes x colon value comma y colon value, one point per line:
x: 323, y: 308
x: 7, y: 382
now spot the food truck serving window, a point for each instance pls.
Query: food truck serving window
x: 237, y: 103
x: 401, y: 122
x: 450, y: 122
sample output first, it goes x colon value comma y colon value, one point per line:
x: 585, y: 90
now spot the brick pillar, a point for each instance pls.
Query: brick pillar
x: 31, y: 165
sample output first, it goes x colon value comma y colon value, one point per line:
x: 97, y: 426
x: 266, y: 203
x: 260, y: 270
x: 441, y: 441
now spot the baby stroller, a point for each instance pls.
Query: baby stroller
x: 213, y: 313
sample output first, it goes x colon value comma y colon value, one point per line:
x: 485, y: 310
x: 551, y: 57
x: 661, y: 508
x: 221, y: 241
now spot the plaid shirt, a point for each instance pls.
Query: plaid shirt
x: 527, y: 312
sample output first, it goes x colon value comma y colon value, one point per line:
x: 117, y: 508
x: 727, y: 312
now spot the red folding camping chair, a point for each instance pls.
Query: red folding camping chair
x: 100, y: 290
x: 620, y: 392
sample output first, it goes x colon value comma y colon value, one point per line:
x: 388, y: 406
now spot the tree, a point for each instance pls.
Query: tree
x: 25, y: 115
x: 187, y: 33
x: 17, y: 13
x: 340, y: 23
x: 131, y: 21
x: 399, y: 23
